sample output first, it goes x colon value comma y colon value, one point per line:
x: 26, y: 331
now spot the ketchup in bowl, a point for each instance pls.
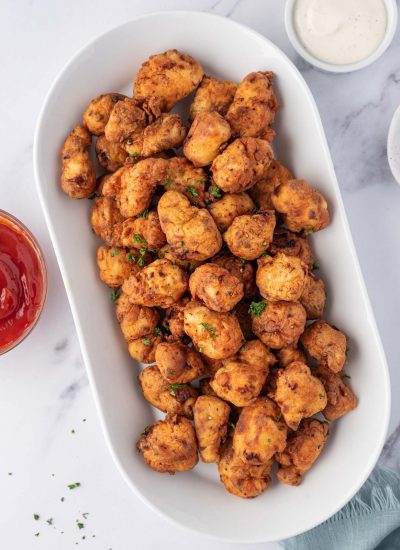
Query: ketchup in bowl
x: 23, y: 281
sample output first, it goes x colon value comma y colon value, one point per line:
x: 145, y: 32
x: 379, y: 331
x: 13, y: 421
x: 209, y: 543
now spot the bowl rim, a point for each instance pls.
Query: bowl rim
x: 37, y: 171
x: 43, y: 269
x: 390, y: 139
x: 392, y: 15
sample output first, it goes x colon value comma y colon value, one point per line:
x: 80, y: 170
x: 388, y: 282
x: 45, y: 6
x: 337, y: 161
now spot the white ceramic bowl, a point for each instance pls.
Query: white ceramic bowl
x: 197, y: 500
x: 393, y: 145
x: 391, y: 8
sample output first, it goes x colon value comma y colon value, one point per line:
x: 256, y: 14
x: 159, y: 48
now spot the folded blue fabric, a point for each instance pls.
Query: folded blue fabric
x: 370, y: 521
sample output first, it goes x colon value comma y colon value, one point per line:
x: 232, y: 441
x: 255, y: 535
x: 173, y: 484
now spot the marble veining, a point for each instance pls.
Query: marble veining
x: 51, y: 435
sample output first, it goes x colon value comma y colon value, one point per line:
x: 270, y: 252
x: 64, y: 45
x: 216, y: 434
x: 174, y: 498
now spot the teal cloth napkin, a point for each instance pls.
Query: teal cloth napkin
x: 370, y: 521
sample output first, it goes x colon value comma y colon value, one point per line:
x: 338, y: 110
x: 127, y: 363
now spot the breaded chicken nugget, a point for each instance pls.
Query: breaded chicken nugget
x: 212, y: 95
x: 250, y: 235
x: 207, y: 137
x: 325, y: 343
x: 78, y: 176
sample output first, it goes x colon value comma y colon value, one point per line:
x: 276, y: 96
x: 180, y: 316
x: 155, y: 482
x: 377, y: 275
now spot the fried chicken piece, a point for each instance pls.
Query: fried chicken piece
x: 185, y: 178
x: 98, y: 112
x: 178, y: 363
x: 241, y: 164
x: 138, y: 183
x: 205, y: 387
x: 341, y: 399
x: 240, y: 269
x: 167, y: 397
x: 114, y: 266
x: 280, y: 324
x: 110, y: 184
x: 158, y: 284
x: 135, y: 321
x: 78, y: 176
x: 211, y: 416
x: 303, y: 207
x: 126, y: 120
x: 216, y: 335
x: 216, y: 287
x: 212, y: 95
x: 298, y: 393
x: 225, y: 210
x: 104, y: 216
x: 249, y: 235
x: 313, y: 297
x: 207, y: 137
x: 242, y: 479
x: 326, y: 344
x: 291, y: 244
x: 191, y: 232
x: 110, y: 155
x: 259, y: 432
x: 255, y: 353
x: 254, y: 106
x: 143, y: 232
x: 262, y: 190
x: 166, y: 132
x: 290, y: 354
x: 144, y: 349
x: 174, y: 317
x: 170, y: 76
x: 303, y: 448
x: 281, y: 277
x: 169, y: 445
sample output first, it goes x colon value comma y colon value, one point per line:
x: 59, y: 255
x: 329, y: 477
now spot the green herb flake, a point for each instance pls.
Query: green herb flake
x: 346, y: 376
x: 157, y: 331
x: 49, y: 521
x: 201, y: 350
x: 215, y: 191
x: 146, y: 341
x: 315, y: 266
x: 37, y: 534
x: 131, y: 258
x: 141, y: 262
x: 210, y: 329
x: 232, y: 425
x: 321, y: 396
x: 62, y: 499
x: 192, y: 191
x: 256, y: 308
x: 201, y: 180
x: 72, y: 486
x: 143, y: 214
x: 278, y: 417
x: 167, y: 182
x: 134, y: 154
x: 242, y: 261
x: 36, y: 516
x: 79, y: 524
x: 309, y: 231
x: 263, y: 254
x: 114, y: 252
x: 269, y: 440
x: 85, y: 515
x: 139, y: 239
x: 174, y: 387
x: 170, y: 372
x: 115, y: 294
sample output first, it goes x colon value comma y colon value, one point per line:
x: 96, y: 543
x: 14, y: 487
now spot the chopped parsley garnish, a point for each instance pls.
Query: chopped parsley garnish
x: 85, y: 514
x: 174, y: 387
x: 157, y: 331
x: 269, y: 440
x: 167, y: 182
x: 309, y: 231
x: 241, y: 260
x: 315, y: 266
x: 210, y: 329
x: 146, y: 341
x: 201, y: 350
x: 73, y: 485
x: 263, y: 254
x: 139, y: 239
x: 79, y: 524
x: 131, y: 258
x: 134, y: 154
x: 170, y: 372
x: 201, y: 180
x: 232, y: 425
x: 192, y: 191
x: 181, y: 243
x: 347, y: 350
x: 143, y: 214
x: 256, y: 308
x: 115, y: 294
x: 215, y: 191
x: 114, y: 252
x: 321, y: 396
x: 346, y: 376
x: 36, y: 516
x: 49, y: 521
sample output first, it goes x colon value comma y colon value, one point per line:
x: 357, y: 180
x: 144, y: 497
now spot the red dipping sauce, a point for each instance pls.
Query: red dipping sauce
x: 23, y: 281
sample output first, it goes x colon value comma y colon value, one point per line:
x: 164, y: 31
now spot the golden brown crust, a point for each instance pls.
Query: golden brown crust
x: 303, y: 448
x: 207, y: 137
x: 281, y: 277
x: 169, y: 445
x: 341, y: 399
x: 135, y: 321
x: 178, y: 364
x: 212, y: 95
x: 98, y: 112
x: 225, y: 210
x: 142, y: 232
x: 158, y: 284
x: 241, y: 164
x: 211, y: 416
x: 114, y: 265
x: 239, y: 382
x: 166, y: 132
x: 110, y: 155
x: 170, y: 76
x: 174, y: 318
x: 291, y: 244
x: 216, y: 287
x: 78, y: 176
x: 280, y: 324
x: 261, y: 192
x: 303, y: 207
x: 185, y: 178
x: 240, y: 269
x: 289, y: 354
x: 104, y: 216
x: 298, y: 393
x: 326, y: 344
x: 254, y: 106
x: 250, y: 235
x: 216, y: 335
x: 313, y: 297
x: 144, y: 349
x: 126, y: 120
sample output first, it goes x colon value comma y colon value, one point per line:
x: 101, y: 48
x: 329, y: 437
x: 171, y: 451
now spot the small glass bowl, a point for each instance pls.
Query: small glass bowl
x: 21, y: 228
x: 391, y: 9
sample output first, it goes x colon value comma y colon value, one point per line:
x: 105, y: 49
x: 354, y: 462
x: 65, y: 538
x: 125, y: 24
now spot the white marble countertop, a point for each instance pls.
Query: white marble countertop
x: 50, y: 434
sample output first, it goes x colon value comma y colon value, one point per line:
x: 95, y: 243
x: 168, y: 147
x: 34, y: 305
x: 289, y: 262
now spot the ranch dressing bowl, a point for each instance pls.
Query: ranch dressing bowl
x: 340, y: 35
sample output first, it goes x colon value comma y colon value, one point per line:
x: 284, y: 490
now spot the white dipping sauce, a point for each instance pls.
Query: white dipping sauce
x: 340, y: 31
